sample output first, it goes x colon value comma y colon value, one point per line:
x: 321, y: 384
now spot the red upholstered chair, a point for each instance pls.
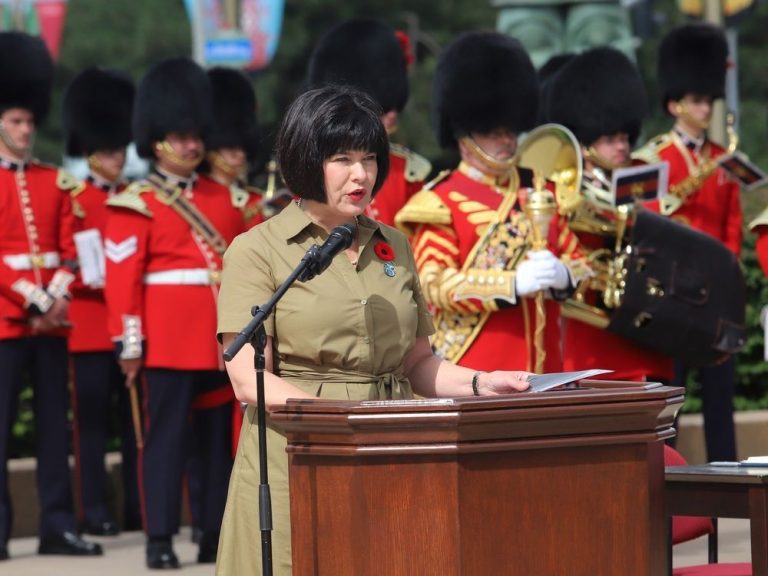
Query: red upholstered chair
x: 685, y: 528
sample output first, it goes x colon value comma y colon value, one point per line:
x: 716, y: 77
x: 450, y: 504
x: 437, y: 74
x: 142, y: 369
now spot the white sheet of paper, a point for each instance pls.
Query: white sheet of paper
x: 90, y: 253
x: 543, y: 382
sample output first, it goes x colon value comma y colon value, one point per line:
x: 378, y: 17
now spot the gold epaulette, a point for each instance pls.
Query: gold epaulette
x: 761, y: 220
x: 424, y: 207
x: 251, y: 209
x: 417, y: 168
x: 66, y: 182
x: 649, y: 152
x: 130, y: 198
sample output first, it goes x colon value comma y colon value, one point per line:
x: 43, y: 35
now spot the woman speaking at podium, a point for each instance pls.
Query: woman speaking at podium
x: 358, y: 331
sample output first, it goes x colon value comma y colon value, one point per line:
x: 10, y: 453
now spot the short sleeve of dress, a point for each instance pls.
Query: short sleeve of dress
x: 247, y: 281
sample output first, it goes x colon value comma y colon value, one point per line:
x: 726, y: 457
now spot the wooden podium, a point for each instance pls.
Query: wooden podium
x: 557, y: 483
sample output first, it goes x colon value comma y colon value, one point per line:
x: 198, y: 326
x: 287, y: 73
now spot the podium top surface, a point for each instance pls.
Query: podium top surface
x: 598, y: 411
x: 589, y: 393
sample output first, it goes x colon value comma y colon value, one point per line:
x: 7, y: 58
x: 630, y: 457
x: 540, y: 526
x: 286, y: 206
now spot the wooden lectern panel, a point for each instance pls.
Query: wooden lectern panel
x: 556, y: 483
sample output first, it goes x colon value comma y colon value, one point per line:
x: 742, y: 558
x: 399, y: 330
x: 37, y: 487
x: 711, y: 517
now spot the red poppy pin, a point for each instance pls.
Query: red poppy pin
x: 386, y: 254
x: 384, y: 251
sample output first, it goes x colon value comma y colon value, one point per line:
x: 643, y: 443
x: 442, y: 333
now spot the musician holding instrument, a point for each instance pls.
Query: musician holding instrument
x: 599, y: 96
x: 692, y: 63
x: 473, y: 241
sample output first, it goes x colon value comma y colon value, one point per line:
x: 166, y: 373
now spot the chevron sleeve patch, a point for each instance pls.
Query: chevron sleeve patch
x: 119, y: 251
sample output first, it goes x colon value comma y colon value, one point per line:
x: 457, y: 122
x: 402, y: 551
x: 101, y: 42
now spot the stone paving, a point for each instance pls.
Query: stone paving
x: 124, y: 555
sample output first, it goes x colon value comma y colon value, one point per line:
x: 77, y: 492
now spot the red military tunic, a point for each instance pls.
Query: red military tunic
x: 162, y: 273
x: 714, y: 206
x: 36, y: 226
x: 88, y: 309
x: 448, y: 220
x: 407, y: 172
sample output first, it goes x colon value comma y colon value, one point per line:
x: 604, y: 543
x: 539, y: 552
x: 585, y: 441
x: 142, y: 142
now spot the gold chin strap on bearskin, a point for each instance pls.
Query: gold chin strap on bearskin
x: 491, y: 163
x: 165, y: 150
x: 682, y: 110
x: 218, y: 161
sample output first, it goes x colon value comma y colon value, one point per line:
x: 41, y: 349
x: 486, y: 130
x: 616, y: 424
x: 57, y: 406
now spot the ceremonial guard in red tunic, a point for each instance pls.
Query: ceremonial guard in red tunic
x: 97, y: 124
x: 164, y: 244
x: 371, y: 56
x: 37, y: 267
x: 472, y: 238
x: 692, y: 63
x: 599, y: 96
x: 233, y: 143
x: 231, y: 146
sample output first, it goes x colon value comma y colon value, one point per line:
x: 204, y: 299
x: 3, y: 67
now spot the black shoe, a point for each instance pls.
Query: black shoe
x: 68, y: 544
x: 106, y: 528
x: 3, y: 552
x: 209, y: 546
x: 160, y: 556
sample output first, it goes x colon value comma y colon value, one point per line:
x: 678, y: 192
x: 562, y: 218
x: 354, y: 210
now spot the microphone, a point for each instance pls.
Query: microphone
x: 318, y: 258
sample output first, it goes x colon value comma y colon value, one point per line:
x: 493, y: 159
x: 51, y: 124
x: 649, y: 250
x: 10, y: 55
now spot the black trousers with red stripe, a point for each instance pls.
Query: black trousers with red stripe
x: 174, y: 433
x: 99, y: 395
x: 44, y: 360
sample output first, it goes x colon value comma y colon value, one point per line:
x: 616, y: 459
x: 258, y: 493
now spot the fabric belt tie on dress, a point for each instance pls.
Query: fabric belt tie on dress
x: 388, y: 386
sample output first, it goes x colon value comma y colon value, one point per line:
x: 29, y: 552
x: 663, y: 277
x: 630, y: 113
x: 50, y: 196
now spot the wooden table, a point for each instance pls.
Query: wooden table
x: 727, y: 492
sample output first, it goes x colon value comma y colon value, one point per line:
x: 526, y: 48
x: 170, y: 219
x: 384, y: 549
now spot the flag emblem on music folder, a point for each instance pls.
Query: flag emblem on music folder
x: 739, y: 166
x: 639, y: 183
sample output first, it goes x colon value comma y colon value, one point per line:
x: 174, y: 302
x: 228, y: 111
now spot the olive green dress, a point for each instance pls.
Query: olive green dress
x: 342, y: 335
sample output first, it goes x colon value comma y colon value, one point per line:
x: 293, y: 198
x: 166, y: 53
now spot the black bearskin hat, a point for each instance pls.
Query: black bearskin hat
x: 484, y: 81
x: 235, y: 122
x: 546, y: 75
x: 366, y: 54
x: 97, y: 108
x: 692, y: 60
x: 174, y: 96
x: 598, y: 93
x: 27, y: 72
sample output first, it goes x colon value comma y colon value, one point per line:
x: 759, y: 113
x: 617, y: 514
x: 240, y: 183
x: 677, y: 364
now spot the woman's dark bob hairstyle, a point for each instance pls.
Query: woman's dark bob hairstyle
x: 324, y: 122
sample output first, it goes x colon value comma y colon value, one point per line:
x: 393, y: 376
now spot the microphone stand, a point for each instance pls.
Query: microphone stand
x: 255, y: 334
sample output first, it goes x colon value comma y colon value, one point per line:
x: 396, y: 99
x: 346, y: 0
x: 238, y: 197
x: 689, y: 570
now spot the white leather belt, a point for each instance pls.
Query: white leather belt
x: 26, y: 261
x: 188, y: 277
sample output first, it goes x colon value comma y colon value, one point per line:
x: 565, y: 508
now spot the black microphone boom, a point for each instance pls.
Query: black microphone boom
x: 320, y: 257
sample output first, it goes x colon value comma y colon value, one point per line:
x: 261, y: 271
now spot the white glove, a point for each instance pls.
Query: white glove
x: 541, y: 270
